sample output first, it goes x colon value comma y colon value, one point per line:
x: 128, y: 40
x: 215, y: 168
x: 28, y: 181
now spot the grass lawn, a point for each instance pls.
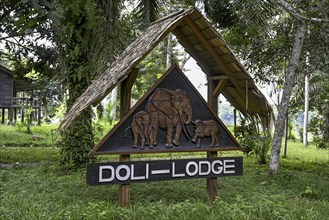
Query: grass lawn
x: 299, y: 191
x: 16, y: 136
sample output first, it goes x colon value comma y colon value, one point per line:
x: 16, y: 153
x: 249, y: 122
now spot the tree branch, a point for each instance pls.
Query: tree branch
x: 286, y: 6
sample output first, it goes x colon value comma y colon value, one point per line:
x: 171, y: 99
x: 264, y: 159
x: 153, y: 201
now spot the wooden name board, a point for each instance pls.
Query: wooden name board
x: 145, y: 171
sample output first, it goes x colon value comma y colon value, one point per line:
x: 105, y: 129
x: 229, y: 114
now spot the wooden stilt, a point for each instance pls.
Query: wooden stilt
x: 22, y: 111
x: 15, y: 115
x: 39, y: 115
x: 10, y: 115
x: 3, y: 116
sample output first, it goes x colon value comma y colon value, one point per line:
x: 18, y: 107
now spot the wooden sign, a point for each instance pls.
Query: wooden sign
x: 145, y: 171
x: 171, y: 117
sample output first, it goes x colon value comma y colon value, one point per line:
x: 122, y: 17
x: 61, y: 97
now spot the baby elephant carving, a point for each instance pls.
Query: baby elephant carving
x: 205, y: 129
x: 144, y: 127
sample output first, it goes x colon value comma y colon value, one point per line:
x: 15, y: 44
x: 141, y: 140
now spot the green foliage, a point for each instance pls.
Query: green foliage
x: 298, y: 192
x: 291, y: 136
x: 101, y: 128
x: 221, y: 12
x: 262, y: 145
x: 108, y: 111
x: 77, y: 142
x: 318, y: 129
x: 151, y: 69
x: 245, y: 133
x: 252, y: 141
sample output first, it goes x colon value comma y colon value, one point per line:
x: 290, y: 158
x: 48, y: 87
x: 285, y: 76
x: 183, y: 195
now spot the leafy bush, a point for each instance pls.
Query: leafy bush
x: 318, y: 129
x: 262, y: 145
x: 252, y: 141
x: 245, y: 134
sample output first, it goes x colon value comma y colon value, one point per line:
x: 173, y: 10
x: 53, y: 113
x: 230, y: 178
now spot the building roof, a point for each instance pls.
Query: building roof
x: 204, y: 44
x: 6, y: 71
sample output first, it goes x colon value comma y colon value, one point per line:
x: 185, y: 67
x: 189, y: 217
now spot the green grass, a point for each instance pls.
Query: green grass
x: 28, y: 154
x: 46, y: 192
x: 299, y: 191
x: 16, y: 136
x: 296, y: 151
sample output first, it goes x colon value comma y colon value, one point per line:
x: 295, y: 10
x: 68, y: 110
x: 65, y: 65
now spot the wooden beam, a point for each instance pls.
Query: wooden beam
x: 189, y: 49
x: 126, y: 86
x: 219, y: 77
x: 216, y: 56
x: 219, y: 87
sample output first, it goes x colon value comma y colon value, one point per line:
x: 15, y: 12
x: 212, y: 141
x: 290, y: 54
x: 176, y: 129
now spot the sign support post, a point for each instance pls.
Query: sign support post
x: 125, y: 104
x: 213, y: 105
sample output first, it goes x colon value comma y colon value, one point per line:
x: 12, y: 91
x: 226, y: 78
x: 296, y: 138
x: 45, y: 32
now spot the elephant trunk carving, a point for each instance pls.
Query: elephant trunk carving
x: 174, y: 110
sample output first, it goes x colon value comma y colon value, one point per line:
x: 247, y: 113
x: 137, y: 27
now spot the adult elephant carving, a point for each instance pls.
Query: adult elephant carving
x: 174, y: 110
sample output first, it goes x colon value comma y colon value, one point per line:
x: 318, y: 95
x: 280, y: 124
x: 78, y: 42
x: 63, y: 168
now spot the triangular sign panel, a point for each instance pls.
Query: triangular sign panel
x: 171, y: 117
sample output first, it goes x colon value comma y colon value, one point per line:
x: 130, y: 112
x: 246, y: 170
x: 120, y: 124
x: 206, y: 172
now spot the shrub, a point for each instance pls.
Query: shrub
x: 320, y: 132
x: 261, y: 147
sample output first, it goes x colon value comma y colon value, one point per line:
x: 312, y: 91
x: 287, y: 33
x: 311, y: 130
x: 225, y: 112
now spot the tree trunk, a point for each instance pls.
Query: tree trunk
x: 169, y: 52
x: 305, y: 126
x: 283, y: 106
x: 114, y: 96
x: 78, y: 139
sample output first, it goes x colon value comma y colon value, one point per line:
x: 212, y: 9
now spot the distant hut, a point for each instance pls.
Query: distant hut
x: 6, y: 92
x: 9, y: 88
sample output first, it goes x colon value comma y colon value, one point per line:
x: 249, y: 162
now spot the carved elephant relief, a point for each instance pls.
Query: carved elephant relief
x: 144, y: 127
x: 205, y: 129
x: 174, y: 111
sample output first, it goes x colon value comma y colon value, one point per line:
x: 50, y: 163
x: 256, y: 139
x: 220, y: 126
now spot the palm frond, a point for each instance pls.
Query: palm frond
x: 257, y: 11
x: 147, y: 11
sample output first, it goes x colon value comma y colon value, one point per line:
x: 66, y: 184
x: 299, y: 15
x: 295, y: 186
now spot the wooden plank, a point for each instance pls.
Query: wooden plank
x: 125, y: 104
x: 191, y: 50
x: 219, y: 77
x: 219, y: 87
x: 213, y: 52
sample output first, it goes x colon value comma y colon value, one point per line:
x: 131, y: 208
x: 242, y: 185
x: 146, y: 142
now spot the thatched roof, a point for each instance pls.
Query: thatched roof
x: 204, y: 44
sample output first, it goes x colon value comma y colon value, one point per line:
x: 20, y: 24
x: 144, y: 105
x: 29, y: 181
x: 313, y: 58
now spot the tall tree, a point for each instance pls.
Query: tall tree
x: 284, y: 103
x: 89, y: 35
x: 290, y: 80
x: 267, y: 43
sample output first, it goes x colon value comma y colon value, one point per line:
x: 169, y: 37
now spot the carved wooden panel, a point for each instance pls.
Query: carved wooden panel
x: 171, y: 117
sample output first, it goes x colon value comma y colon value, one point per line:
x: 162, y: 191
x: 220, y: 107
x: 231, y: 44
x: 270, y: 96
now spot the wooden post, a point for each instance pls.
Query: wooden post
x: 22, y: 108
x: 22, y: 114
x: 213, y: 104
x: 39, y: 115
x: 3, y: 116
x: 15, y: 115
x: 10, y: 115
x: 125, y: 102
x: 234, y: 113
